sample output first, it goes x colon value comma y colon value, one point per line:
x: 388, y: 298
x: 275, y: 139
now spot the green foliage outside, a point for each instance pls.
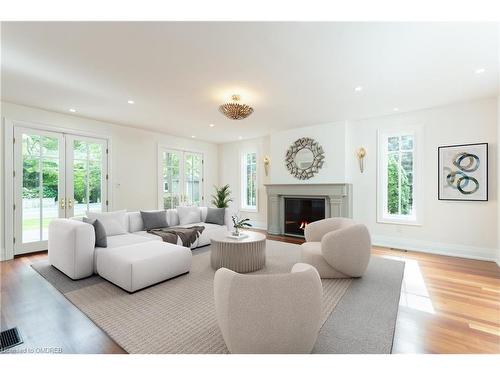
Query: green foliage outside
x: 170, y: 201
x: 394, y: 171
x: 49, y: 148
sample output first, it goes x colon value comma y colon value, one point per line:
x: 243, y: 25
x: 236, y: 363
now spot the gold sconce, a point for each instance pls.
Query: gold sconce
x: 361, y: 153
x: 267, y: 163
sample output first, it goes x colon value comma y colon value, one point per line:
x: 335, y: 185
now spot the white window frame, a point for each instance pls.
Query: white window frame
x: 243, y: 185
x: 382, y: 155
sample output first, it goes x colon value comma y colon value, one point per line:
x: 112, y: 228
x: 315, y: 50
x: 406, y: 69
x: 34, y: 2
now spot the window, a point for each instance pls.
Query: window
x: 249, y: 181
x: 397, y: 177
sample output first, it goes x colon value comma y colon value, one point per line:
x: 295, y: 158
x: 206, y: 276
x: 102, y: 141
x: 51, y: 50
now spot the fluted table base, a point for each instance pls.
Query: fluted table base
x: 246, y: 255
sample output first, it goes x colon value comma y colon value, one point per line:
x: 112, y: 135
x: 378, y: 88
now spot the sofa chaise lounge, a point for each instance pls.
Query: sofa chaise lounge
x: 133, y: 259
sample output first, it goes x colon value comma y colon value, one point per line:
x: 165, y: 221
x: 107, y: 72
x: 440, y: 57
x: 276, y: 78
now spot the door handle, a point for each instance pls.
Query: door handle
x: 62, y: 203
x: 70, y: 203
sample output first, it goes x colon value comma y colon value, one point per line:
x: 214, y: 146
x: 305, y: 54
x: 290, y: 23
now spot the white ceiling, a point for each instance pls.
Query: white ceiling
x: 294, y: 73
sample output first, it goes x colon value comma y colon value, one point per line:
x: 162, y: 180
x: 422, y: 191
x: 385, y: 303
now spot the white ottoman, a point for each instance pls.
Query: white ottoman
x: 140, y: 265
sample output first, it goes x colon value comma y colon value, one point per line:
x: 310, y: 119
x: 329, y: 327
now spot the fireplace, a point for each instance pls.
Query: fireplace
x: 337, y: 200
x: 299, y: 212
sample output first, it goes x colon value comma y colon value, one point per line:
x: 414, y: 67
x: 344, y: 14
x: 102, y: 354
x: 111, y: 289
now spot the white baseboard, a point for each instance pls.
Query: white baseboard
x: 439, y: 248
x: 258, y: 225
x: 454, y: 250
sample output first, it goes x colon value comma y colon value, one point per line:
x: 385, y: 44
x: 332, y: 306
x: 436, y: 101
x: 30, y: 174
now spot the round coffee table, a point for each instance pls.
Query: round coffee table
x: 240, y: 255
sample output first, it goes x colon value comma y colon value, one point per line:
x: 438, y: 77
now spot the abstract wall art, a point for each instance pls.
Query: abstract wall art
x: 463, y: 172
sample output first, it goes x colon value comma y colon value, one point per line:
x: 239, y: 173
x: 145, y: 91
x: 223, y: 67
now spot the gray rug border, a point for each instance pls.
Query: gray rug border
x: 344, y: 320
x: 334, y: 321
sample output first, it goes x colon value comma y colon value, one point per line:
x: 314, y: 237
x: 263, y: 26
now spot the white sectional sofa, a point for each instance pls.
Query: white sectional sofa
x: 133, y: 260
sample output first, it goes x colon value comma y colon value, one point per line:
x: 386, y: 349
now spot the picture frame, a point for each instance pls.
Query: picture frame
x: 463, y: 172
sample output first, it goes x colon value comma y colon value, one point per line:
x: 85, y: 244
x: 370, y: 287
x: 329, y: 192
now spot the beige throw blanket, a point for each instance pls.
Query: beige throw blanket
x: 187, y: 235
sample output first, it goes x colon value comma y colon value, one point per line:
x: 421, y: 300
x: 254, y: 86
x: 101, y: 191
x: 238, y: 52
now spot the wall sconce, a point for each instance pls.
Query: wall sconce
x: 267, y: 163
x: 361, y: 153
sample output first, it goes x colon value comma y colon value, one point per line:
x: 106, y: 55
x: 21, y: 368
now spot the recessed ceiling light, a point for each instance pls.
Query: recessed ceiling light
x: 395, y: 109
x: 211, y: 125
x: 193, y: 136
x: 480, y: 71
x: 72, y: 110
x: 358, y: 88
x: 240, y: 137
x: 130, y: 102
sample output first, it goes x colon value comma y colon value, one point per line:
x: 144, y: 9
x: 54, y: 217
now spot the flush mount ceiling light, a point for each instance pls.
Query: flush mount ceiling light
x: 130, y: 102
x: 72, y: 110
x: 235, y: 110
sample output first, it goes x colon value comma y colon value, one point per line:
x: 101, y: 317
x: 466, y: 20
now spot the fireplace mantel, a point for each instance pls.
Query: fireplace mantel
x: 338, y: 201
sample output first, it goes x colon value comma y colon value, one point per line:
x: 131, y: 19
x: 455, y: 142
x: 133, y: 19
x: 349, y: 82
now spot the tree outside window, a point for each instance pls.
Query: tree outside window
x: 400, y: 175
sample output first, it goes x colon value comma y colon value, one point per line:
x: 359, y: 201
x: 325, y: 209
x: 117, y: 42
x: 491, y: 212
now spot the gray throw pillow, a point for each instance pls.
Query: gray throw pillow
x: 215, y: 215
x: 101, y: 240
x: 154, y: 219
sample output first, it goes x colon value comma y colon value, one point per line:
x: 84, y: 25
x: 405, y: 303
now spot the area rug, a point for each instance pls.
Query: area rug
x: 178, y: 316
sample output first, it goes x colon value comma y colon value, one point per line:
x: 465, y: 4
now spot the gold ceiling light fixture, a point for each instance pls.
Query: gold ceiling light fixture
x: 235, y: 110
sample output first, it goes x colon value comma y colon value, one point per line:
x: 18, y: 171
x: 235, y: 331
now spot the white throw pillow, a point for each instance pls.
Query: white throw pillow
x: 189, y: 215
x: 114, y: 222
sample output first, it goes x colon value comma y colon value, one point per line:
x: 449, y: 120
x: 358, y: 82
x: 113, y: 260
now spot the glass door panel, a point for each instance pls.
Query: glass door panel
x: 86, y: 175
x: 38, y: 161
x: 50, y: 194
x: 181, y: 179
x: 193, y: 178
x: 172, y: 170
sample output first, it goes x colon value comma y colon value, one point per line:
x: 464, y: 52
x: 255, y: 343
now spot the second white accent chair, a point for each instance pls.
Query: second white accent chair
x: 277, y: 313
x: 337, y: 248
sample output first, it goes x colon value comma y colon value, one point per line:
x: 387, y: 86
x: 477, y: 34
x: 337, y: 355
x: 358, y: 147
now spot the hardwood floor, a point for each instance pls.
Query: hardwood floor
x: 45, y: 318
x: 448, y: 305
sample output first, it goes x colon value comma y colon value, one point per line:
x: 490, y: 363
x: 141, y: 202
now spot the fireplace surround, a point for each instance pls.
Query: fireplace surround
x: 337, y: 201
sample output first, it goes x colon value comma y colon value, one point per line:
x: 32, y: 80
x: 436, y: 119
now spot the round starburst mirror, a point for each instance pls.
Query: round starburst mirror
x: 304, y: 158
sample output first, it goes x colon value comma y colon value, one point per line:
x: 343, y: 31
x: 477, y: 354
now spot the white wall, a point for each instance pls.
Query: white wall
x: 456, y: 228
x: 2, y: 198
x: 498, y: 178
x: 331, y: 136
x: 134, y: 154
x: 230, y: 173
x: 333, y: 139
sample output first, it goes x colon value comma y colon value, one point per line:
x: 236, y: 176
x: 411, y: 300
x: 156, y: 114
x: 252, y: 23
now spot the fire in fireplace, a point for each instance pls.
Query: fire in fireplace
x: 299, y: 212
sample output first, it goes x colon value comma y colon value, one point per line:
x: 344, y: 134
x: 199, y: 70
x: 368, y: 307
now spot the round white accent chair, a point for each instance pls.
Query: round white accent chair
x: 269, y: 313
x: 337, y: 248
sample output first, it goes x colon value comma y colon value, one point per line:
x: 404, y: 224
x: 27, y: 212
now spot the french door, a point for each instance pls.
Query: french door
x: 55, y: 175
x: 181, y: 179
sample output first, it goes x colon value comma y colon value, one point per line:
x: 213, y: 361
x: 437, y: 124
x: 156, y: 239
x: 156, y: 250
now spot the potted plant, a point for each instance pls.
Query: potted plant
x: 221, y: 198
x: 239, y: 223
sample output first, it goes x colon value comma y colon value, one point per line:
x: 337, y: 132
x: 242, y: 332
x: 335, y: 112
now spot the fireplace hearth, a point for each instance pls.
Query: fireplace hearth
x: 300, y: 211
